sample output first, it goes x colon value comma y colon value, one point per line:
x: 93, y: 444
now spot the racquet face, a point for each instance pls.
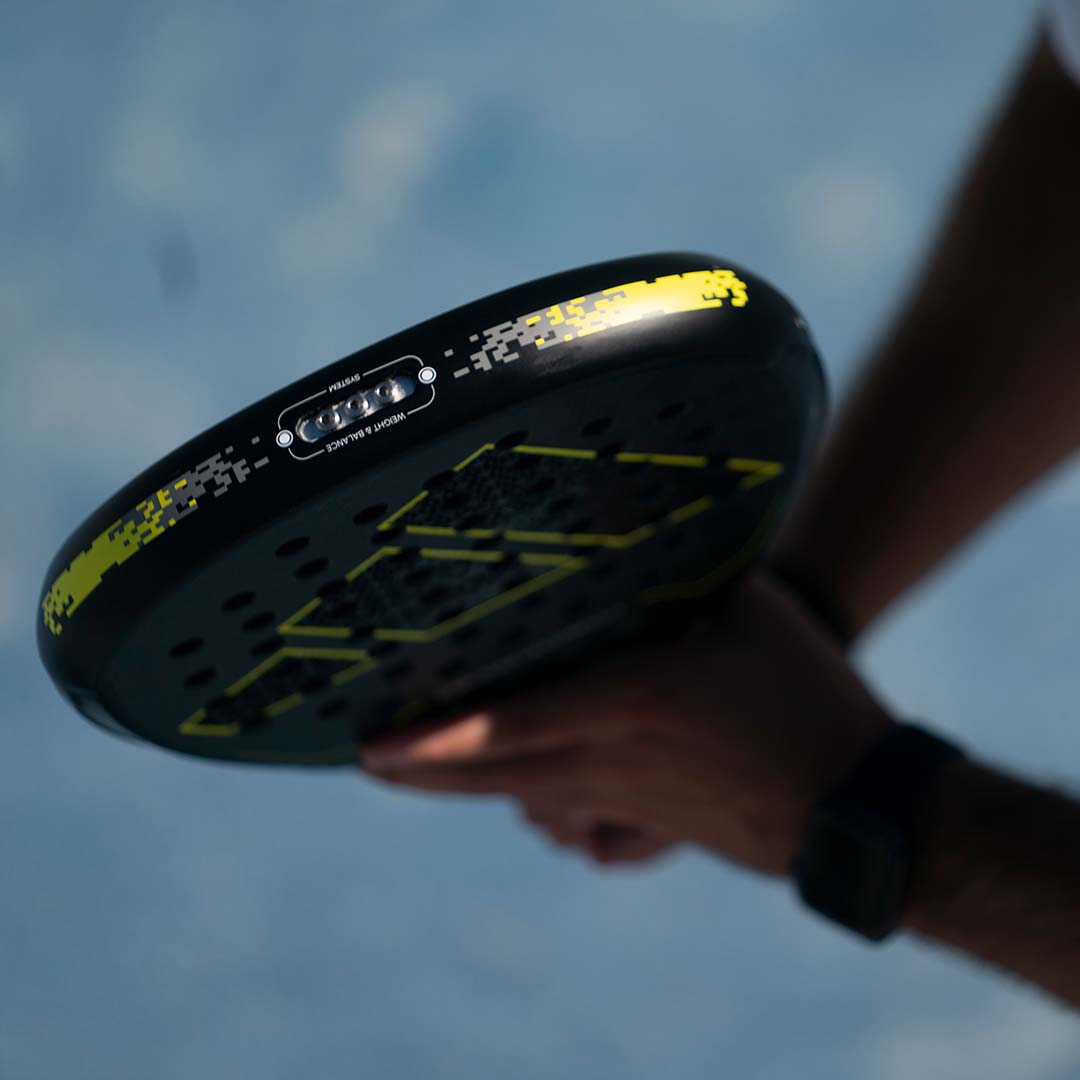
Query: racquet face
x: 483, y: 500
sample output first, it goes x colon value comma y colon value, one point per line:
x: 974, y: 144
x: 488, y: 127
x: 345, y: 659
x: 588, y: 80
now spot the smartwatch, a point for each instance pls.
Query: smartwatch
x: 865, y: 833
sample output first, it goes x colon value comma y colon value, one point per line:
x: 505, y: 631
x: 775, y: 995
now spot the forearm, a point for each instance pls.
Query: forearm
x: 975, y: 391
x: 1000, y: 876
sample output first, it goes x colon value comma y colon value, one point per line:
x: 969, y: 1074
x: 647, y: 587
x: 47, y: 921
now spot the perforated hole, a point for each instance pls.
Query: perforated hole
x: 186, y: 647
x: 702, y: 431
x: 435, y: 595
x: 341, y: 608
x: 288, y: 667
x: 370, y: 513
x: 238, y: 600
x: 258, y: 622
x: 386, y: 536
x: 292, y: 547
x: 597, y: 426
x: 611, y: 449
x: 200, y: 677
x: 507, y: 441
x: 313, y: 567
x: 267, y: 646
x: 669, y: 412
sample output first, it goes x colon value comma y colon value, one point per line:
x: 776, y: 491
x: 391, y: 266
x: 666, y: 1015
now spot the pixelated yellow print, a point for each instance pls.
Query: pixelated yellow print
x: 695, y: 290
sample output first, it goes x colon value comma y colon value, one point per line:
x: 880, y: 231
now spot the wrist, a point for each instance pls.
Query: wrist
x: 970, y: 803
x: 816, y: 595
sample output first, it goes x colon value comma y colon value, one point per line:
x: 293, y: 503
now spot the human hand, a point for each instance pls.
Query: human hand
x: 723, y: 740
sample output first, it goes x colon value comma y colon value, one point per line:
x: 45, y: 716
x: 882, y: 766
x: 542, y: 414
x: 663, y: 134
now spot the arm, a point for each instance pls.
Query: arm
x: 974, y: 392
x: 1000, y: 876
x: 726, y: 742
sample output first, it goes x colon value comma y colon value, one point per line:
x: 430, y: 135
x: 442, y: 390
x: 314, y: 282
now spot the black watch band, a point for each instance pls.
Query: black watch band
x: 865, y: 833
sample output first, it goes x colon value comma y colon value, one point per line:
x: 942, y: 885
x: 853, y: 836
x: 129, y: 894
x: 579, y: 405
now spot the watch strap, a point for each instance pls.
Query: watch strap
x: 865, y: 833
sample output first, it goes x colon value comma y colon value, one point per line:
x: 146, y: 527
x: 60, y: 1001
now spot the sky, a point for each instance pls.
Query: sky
x: 202, y: 202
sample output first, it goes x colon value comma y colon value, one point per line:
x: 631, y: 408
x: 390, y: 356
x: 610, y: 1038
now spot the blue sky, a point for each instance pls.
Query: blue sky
x: 201, y: 202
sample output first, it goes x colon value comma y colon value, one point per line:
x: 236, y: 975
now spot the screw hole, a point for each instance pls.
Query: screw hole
x: 310, y: 569
x: 237, y: 601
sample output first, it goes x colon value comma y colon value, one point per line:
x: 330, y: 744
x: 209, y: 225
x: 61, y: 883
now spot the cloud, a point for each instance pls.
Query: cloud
x: 163, y: 151
x: 387, y: 149
x: 846, y: 214
x: 107, y: 403
x: 1025, y: 1038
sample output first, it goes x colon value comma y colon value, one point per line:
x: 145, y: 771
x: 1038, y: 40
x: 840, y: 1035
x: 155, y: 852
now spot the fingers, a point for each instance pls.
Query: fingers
x: 569, y: 713
x: 567, y: 775
x: 506, y: 731
x: 603, y: 841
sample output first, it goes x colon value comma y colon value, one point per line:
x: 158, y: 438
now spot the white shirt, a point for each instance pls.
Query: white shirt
x: 1063, y: 22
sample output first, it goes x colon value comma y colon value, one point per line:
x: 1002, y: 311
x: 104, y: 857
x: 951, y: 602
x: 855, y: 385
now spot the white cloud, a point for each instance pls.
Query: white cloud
x: 103, y: 404
x: 386, y: 150
x: 158, y: 154
x: 846, y: 214
x: 1022, y: 1037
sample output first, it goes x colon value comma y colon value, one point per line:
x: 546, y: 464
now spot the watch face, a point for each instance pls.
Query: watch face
x: 853, y: 869
x: 486, y: 499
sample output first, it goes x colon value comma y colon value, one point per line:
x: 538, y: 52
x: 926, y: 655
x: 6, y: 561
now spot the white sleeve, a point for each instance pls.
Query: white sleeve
x: 1063, y: 23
